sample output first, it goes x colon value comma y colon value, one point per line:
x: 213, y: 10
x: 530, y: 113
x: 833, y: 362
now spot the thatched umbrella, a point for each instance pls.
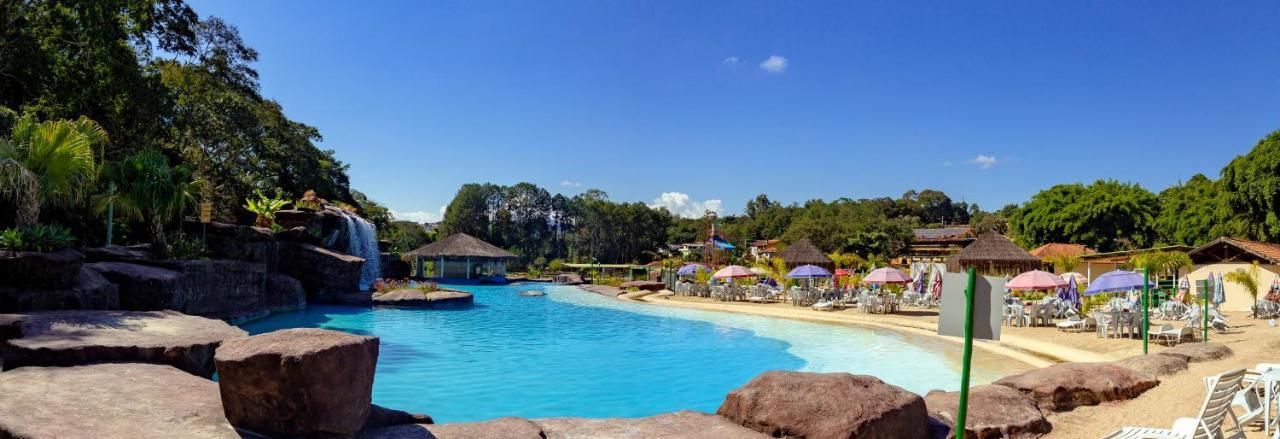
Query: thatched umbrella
x: 803, y: 252
x: 993, y: 254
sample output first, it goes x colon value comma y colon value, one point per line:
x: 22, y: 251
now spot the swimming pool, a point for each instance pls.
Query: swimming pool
x: 574, y: 353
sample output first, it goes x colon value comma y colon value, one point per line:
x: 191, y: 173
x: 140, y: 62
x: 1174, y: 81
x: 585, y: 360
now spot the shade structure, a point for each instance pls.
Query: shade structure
x: 690, y: 269
x: 887, y: 275
x: 733, y: 271
x: 1036, y: 280
x: 1115, y: 282
x: 993, y: 254
x: 808, y: 272
x: 803, y: 252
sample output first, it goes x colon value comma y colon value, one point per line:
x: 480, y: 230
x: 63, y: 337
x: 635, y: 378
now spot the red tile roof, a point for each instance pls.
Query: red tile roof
x: 1261, y: 250
x: 1056, y: 249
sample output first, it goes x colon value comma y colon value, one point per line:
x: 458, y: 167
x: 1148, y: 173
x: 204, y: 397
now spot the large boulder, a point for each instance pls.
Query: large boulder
x: 826, y: 405
x: 212, y: 288
x: 284, y: 293
x: 118, y: 253
x: 298, y: 382
x: 236, y: 242
x: 994, y: 412
x: 324, y: 273
x: 1199, y: 352
x: 569, y: 279
x: 1065, y: 386
x: 69, y: 338
x: 411, y: 298
x: 678, y: 425
x: 90, y: 291
x: 501, y: 428
x: 299, y: 235
x: 308, y: 220
x: 40, y: 270
x: 1158, y: 365
x: 380, y: 417
x: 126, y: 400
x: 644, y: 285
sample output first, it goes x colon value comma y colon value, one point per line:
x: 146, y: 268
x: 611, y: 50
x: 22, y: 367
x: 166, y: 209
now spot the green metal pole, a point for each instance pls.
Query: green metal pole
x: 963, y: 410
x: 1204, y: 317
x: 111, y: 211
x: 1146, y: 322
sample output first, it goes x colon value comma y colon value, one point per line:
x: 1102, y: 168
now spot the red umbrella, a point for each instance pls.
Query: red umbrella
x: 1036, y: 280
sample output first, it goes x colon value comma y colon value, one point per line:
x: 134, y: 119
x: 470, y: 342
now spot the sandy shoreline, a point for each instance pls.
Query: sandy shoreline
x: 1180, y: 395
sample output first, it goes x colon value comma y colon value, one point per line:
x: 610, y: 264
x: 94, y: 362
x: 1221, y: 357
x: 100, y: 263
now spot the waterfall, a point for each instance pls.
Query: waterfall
x: 362, y: 241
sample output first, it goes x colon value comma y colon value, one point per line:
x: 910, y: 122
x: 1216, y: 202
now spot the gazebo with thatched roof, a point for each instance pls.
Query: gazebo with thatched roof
x: 803, y: 252
x: 462, y: 256
x: 993, y: 254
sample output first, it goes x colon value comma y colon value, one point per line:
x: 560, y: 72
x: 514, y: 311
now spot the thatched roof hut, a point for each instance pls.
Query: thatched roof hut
x: 993, y: 254
x: 803, y: 252
x: 462, y: 256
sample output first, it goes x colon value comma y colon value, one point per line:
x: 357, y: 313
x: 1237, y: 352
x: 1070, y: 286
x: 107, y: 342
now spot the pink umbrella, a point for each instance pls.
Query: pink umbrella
x: 887, y: 275
x: 734, y: 271
x: 1036, y: 280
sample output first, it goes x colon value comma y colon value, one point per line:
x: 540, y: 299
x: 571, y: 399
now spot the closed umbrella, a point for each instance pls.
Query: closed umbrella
x: 1114, y: 282
x: 1071, y: 293
x: 1219, y: 293
x: 1036, y: 280
x: 733, y: 271
x: 936, y: 284
x: 887, y: 275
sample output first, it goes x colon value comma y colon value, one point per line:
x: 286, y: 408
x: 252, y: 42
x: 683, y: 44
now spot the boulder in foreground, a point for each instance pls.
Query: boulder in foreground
x: 679, y: 425
x: 1199, y: 352
x: 298, y: 382
x: 994, y: 412
x: 1158, y: 365
x: 826, y: 405
x: 125, y: 400
x: 40, y: 270
x: 1063, y: 387
x: 420, y: 299
x: 69, y: 338
x: 90, y: 291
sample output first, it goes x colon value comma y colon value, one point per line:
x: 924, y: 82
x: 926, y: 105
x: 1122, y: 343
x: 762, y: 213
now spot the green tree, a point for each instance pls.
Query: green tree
x: 1106, y: 215
x: 1191, y: 213
x: 48, y: 163
x: 148, y: 189
x: 1249, y: 279
x: 1251, y: 183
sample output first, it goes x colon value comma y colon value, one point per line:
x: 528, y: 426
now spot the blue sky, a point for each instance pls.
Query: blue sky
x: 713, y: 103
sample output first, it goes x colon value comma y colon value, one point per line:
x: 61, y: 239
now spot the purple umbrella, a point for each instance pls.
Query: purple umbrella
x: 1070, y: 294
x: 1115, y: 282
x: 689, y: 269
x: 808, y: 272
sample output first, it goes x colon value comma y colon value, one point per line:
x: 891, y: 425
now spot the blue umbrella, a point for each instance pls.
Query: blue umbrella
x: 1219, y: 295
x: 1070, y: 294
x: 808, y: 272
x: 1115, y: 282
x: 690, y: 269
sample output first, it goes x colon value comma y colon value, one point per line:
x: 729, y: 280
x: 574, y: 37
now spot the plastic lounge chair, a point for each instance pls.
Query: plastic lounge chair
x: 1072, y: 322
x: 1221, y: 391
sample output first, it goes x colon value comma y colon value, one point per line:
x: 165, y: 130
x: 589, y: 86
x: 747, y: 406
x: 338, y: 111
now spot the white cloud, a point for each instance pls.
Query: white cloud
x: 567, y: 183
x: 984, y: 161
x: 680, y: 204
x: 732, y: 60
x: 419, y: 216
x: 775, y: 64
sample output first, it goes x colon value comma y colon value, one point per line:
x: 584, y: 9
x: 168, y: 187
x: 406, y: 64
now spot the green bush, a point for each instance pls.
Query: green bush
x: 37, y: 238
x: 187, y: 247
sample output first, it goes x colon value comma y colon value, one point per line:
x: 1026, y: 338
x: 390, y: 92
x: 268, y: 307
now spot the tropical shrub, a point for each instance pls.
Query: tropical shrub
x: 37, y: 238
x: 309, y: 201
x: 1249, y: 279
x: 556, y: 265
x: 148, y: 189
x: 265, y: 208
x: 48, y: 163
x: 187, y: 247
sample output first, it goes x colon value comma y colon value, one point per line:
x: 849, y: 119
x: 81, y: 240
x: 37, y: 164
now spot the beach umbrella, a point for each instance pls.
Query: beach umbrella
x: 690, y: 269
x: 808, y: 272
x: 1275, y: 285
x: 1219, y: 294
x: 1070, y: 293
x: 936, y: 284
x: 733, y: 271
x: 887, y: 275
x: 1036, y: 280
x: 1080, y: 278
x: 1115, y: 282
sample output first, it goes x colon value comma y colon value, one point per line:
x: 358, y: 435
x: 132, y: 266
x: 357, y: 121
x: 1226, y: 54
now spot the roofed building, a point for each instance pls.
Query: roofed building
x: 934, y: 245
x: 993, y: 254
x: 764, y: 248
x: 1224, y: 255
x: 462, y: 257
x: 803, y: 252
x: 1055, y: 249
x: 1094, y: 264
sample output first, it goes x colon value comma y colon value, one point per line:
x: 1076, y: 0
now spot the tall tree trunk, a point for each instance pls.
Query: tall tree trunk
x: 159, y: 248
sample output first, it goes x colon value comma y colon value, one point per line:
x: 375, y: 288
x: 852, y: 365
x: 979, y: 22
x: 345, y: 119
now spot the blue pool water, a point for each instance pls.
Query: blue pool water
x: 574, y: 353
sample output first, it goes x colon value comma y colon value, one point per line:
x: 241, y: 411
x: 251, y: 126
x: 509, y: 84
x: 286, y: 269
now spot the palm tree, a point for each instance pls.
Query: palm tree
x: 149, y: 190
x: 1249, y: 280
x: 49, y: 163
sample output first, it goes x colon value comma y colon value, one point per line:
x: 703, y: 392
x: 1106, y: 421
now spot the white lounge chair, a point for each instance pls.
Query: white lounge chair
x: 1072, y: 323
x: 1221, y: 391
x: 1173, y: 335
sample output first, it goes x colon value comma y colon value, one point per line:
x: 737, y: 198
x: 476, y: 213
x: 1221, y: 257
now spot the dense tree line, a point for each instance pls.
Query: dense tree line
x: 156, y: 76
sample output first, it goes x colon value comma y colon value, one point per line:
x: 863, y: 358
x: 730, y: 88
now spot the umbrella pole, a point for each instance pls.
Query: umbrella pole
x: 962, y: 410
x: 1204, y: 317
x: 1146, y: 323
